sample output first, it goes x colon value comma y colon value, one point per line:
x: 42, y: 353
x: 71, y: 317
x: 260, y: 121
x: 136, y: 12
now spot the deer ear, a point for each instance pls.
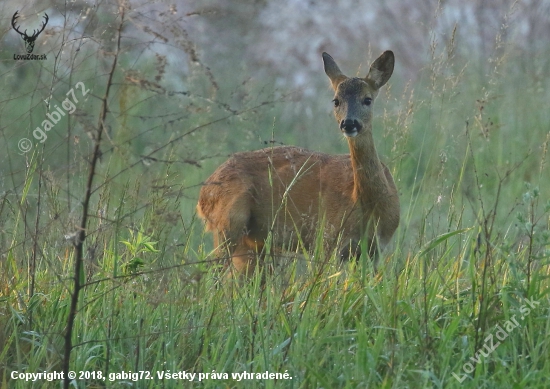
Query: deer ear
x: 333, y: 71
x: 381, y: 69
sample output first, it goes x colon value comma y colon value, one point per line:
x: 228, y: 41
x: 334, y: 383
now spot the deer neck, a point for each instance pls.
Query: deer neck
x: 369, y: 180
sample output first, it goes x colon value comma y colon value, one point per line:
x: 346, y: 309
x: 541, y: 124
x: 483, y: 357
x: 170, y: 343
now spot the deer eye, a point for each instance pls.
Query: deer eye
x: 336, y: 102
x: 367, y: 101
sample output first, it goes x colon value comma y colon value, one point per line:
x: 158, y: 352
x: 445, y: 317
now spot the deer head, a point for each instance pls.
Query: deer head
x: 29, y: 40
x: 354, y: 96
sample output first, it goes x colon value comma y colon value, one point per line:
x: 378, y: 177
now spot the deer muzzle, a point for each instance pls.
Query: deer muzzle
x: 350, y: 127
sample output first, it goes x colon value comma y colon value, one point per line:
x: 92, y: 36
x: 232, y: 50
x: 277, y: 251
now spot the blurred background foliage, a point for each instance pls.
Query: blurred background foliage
x: 463, y: 125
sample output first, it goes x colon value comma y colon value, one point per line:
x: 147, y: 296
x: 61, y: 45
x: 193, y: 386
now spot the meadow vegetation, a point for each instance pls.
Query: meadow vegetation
x: 104, y: 208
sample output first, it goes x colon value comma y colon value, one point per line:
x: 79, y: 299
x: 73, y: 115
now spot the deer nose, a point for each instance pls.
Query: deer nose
x: 350, y: 127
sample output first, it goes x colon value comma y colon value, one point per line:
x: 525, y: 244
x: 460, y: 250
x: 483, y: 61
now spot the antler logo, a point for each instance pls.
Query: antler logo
x: 29, y: 40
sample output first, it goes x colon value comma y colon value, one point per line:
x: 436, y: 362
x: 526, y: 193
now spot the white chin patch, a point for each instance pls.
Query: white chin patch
x: 351, y: 134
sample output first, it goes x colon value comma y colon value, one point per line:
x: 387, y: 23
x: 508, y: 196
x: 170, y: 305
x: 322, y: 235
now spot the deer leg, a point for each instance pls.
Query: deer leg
x: 243, y: 260
x: 246, y: 256
x: 351, y: 251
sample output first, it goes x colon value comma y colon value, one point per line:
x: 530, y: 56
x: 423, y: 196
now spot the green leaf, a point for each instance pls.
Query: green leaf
x: 150, y: 247
x: 440, y: 239
x: 128, y: 244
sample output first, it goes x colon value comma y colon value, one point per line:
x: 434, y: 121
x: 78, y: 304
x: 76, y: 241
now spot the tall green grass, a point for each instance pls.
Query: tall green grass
x: 470, y: 157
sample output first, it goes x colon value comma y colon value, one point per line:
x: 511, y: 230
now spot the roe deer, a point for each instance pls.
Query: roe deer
x: 292, y: 192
